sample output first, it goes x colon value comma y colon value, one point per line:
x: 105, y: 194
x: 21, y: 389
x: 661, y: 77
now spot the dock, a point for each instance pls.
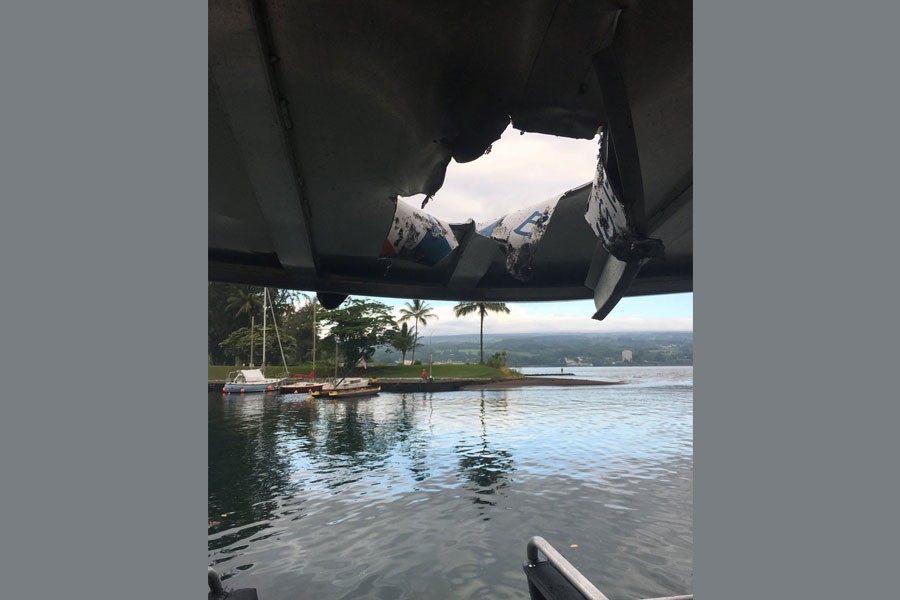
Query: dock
x: 413, y: 385
x: 409, y: 385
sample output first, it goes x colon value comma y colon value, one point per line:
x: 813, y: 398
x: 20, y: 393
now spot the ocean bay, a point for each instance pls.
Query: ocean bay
x: 435, y: 495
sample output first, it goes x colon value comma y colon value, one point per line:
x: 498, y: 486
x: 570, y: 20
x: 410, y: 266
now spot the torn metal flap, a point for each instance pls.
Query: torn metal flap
x: 607, y: 217
x: 519, y: 233
x: 418, y: 237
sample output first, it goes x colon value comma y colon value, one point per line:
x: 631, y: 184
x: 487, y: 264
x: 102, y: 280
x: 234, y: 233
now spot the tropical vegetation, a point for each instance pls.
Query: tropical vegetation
x: 403, y: 340
x: 220, y: 372
x: 358, y: 327
x: 366, y: 330
x: 354, y: 330
x: 417, y: 310
x: 482, y: 308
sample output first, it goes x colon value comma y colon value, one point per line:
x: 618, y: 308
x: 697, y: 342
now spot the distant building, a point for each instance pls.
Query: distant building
x: 577, y: 362
x: 627, y: 356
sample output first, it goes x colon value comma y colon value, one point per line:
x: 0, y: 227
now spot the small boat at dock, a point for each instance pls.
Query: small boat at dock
x: 250, y: 380
x: 253, y: 380
x: 296, y: 383
x: 347, y: 387
x: 290, y: 386
x: 359, y: 392
x: 347, y: 383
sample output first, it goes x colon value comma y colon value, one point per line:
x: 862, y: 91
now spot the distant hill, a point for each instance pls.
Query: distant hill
x: 552, y: 349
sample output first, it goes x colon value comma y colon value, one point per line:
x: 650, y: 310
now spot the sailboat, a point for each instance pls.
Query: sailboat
x: 346, y: 387
x: 253, y: 380
x: 304, y: 383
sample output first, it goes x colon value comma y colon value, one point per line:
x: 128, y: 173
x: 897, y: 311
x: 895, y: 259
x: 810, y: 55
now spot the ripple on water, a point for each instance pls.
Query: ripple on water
x: 405, y: 496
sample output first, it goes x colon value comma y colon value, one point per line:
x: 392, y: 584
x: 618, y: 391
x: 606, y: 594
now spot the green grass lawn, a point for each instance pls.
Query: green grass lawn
x: 218, y: 373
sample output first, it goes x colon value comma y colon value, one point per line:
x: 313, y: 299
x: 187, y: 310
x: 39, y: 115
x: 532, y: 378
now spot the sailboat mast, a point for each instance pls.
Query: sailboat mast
x: 314, y: 338
x: 277, y: 335
x: 265, y: 293
x: 251, y: 340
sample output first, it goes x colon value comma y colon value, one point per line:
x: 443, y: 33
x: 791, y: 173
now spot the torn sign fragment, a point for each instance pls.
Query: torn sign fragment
x: 519, y: 233
x: 418, y: 237
x: 608, y: 218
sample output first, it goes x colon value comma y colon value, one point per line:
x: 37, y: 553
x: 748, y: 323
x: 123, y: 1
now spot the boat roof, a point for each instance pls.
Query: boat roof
x: 301, y: 196
x: 252, y: 375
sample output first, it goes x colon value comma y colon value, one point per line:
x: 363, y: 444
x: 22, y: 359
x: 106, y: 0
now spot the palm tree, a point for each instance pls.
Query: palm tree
x: 403, y: 340
x: 482, y: 308
x: 419, y: 311
x: 244, y: 300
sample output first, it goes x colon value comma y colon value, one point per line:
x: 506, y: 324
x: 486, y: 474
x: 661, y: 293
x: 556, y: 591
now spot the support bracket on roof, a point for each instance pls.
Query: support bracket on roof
x: 329, y: 300
x: 615, y: 208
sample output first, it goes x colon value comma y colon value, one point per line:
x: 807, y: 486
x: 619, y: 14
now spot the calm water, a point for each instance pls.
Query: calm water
x: 435, y: 496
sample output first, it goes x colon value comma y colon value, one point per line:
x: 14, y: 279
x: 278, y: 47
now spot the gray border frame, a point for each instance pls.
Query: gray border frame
x: 795, y: 129
x: 104, y: 142
x: 102, y: 243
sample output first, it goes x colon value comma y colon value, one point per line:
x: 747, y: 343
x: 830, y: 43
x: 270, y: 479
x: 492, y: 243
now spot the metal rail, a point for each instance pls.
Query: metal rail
x: 216, y: 589
x: 569, y: 573
x: 218, y: 592
x: 564, y: 567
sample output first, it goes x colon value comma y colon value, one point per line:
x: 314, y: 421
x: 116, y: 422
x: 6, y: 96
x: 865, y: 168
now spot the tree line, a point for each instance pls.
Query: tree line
x: 551, y: 349
x: 294, y: 326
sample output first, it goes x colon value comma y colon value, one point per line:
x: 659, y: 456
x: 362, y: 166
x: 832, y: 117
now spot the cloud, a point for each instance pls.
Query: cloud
x: 525, y: 318
x: 521, y: 170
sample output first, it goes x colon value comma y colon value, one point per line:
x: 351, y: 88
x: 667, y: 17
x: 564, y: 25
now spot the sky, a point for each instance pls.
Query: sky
x: 673, y: 312
x: 522, y: 170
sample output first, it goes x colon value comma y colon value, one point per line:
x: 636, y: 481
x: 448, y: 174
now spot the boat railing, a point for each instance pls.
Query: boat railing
x: 217, y: 591
x: 554, y: 578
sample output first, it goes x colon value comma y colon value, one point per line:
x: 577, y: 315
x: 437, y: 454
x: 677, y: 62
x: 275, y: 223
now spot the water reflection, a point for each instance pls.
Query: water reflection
x: 412, y: 441
x: 246, y: 470
x: 480, y: 462
x: 415, y: 496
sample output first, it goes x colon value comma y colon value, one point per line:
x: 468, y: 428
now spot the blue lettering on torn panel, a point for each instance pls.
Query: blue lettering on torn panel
x: 489, y: 229
x: 529, y: 221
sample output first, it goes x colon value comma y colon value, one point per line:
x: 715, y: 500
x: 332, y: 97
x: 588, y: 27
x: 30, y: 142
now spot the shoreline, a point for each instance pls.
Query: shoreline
x: 456, y: 384
x: 520, y: 382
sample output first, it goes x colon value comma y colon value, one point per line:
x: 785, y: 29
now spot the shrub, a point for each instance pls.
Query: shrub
x: 498, y: 360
